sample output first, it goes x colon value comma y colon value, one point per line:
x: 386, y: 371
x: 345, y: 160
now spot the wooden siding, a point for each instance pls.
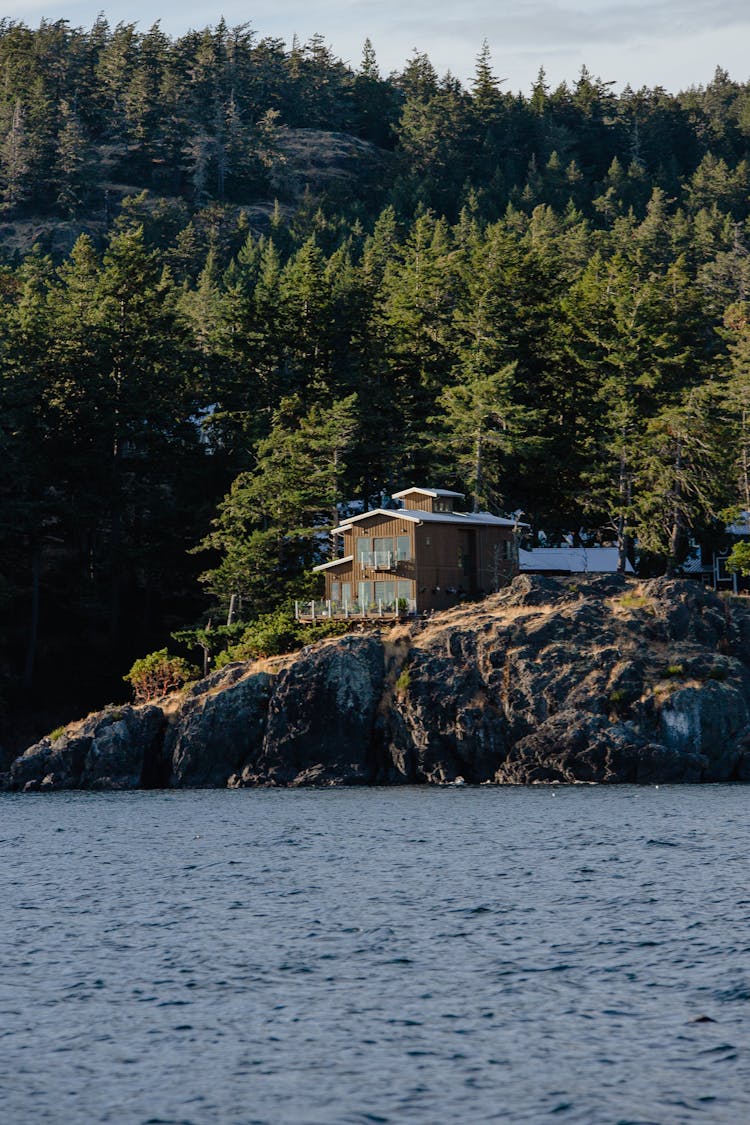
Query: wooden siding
x: 456, y: 562
x: 357, y: 571
x: 418, y: 502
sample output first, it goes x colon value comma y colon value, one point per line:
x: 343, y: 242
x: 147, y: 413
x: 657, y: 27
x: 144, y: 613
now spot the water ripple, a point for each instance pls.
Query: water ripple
x: 375, y: 956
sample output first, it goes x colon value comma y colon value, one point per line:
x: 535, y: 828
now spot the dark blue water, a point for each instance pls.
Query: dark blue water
x: 376, y: 956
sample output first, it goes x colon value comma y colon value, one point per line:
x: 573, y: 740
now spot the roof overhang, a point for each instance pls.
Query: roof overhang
x: 334, y: 563
x: 433, y: 492
x: 416, y: 515
x: 392, y: 513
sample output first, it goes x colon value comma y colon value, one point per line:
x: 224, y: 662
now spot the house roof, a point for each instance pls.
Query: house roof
x: 416, y: 515
x: 334, y: 562
x: 740, y: 526
x: 575, y: 560
x: 434, y: 492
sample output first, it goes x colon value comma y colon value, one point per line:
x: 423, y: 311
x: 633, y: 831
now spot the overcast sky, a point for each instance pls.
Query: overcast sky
x: 672, y: 43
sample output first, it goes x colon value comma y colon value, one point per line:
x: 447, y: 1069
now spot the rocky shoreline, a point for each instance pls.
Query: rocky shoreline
x: 597, y: 680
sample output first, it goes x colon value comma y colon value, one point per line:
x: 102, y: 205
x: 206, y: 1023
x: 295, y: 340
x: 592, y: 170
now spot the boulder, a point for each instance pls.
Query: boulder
x: 117, y: 748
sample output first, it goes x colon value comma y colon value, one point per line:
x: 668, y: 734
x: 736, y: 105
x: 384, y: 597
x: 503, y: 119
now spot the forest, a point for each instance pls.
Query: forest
x: 243, y: 284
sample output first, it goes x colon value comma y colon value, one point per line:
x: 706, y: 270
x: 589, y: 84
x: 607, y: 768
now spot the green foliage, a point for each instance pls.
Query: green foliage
x: 620, y: 701
x: 739, y: 558
x: 268, y: 524
x: 674, y: 671
x: 158, y: 674
x: 274, y: 634
x: 403, y: 682
x: 538, y: 300
x: 635, y: 601
x: 308, y: 634
x: 58, y: 732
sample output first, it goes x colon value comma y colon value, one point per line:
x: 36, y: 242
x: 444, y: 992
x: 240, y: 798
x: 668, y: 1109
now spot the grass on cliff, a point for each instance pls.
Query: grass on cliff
x: 635, y: 601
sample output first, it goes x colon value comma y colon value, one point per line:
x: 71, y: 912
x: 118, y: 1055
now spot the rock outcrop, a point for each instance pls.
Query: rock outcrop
x: 549, y: 681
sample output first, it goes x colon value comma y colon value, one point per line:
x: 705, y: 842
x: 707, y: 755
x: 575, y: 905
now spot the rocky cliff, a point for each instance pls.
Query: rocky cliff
x: 596, y: 680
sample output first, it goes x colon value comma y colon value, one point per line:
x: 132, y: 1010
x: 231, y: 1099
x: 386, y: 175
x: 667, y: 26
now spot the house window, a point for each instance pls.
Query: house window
x: 364, y: 551
x: 346, y: 593
x: 403, y: 548
x: 385, y: 592
x: 335, y: 591
x: 365, y: 594
x: 403, y: 590
x: 383, y: 549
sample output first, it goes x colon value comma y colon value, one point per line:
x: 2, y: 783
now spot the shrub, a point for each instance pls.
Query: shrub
x: 739, y: 559
x: 271, y: 635
x: 674, y: 671
x: 403, y: 682
x: 58, y: 732
x: 157, y: 674
x: 308, y: 634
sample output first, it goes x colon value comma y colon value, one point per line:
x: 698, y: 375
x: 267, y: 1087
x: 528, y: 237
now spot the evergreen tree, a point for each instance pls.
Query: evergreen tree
x: 268, y: 527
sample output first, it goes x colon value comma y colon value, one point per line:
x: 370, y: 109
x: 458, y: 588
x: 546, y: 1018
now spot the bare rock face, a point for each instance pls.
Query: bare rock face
x: 443, y: 725
x: 597, y: 680
x: 322, y: 716
x: 115, y: 749
x: 218, y: 729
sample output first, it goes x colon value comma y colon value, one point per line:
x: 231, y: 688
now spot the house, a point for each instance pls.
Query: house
x: 571, y: 560
x: 424, y: 555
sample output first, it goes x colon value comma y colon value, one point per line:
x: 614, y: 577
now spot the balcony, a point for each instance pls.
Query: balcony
x: 381, y: 560
x: 325, y: 610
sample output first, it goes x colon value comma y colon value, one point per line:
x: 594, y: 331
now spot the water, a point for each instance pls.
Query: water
x: 375, y: 955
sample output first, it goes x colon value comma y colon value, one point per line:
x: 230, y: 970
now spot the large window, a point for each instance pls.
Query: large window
x: 383, y: 550
x: 389, y: 593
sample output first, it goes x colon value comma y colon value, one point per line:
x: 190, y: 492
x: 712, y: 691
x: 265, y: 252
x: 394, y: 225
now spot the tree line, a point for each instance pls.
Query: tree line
x: 543, y: 304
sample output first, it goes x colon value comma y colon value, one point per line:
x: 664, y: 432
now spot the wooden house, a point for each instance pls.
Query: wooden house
x: 423, y: 556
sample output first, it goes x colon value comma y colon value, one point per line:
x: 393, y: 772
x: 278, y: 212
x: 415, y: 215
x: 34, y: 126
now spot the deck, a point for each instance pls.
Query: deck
x: 327, y: 610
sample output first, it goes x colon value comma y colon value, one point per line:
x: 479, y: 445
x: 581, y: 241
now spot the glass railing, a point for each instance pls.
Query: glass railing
x: 381, y: 560
x: 322, y: 610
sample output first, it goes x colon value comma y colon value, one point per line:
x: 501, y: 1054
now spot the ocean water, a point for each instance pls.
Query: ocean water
x: 376, y: 955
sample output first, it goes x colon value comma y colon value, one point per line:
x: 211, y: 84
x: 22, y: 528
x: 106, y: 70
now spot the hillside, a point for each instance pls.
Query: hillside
x: 244, y: 284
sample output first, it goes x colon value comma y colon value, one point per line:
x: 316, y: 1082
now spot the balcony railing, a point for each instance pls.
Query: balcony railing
x: 381, y: 560
x: 382, y: 607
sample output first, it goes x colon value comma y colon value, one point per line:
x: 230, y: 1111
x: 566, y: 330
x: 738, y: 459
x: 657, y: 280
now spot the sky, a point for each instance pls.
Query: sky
x: 670, y: 43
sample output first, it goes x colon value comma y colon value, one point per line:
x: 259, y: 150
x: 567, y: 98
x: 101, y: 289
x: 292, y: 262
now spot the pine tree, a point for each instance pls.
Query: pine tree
x: 268, y: 527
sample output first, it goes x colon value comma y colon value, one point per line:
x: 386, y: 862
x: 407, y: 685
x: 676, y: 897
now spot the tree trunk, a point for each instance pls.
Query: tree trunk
x: 677, y: 534
x: 477, y: 469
